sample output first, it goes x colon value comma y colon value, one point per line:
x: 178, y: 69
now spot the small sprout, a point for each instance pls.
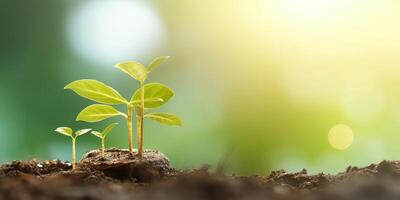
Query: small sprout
x: 148, y: 96
x: 103, y: 136
x: 68, y: 132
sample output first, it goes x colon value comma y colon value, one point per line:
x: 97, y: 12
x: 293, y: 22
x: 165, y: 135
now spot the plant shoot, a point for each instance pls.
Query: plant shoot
x: 102, y: 135
x: 68, y: 132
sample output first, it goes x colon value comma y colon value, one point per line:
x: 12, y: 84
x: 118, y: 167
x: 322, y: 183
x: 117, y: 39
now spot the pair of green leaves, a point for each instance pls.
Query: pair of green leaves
x: 156, y: 95
x: 99, y: 112
x: 102, y: 93
x: 104, y: 133
x: 137, y: 70
x: 69, y: 132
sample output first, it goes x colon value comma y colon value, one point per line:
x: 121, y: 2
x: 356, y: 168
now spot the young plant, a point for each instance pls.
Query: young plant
x: 103, y: 135
x: 146, y: 96
x: 68, y: 132
x: 154, y: 95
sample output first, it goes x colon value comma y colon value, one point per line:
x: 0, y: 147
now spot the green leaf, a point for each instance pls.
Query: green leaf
x: 156, y: 62
x: 165, y: 118
x: 97, y: 112
x: 109, y: 128
x: 97, y: 134
x: 81, y: 132
x: 155, y: 95
x: 133, y: 69
x: 64, y: 130
x: 148, y: 100
x: 96, y: 91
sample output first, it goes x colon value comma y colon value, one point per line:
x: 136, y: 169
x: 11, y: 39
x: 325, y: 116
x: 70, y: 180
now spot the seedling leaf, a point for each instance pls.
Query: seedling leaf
x: 81, y: 132
x: 155, y: 99
x: 155, y: 95
x: 165, y: 118
x: 156, y: 62
x: 96, y: 91
x: 65, y: 131
x: 97, y: 134
x: 108, y: 129
x: 133, y: 69
x: 97, y: 112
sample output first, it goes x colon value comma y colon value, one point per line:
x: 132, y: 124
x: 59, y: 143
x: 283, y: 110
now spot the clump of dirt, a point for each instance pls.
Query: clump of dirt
x: 34, y: 167
x: 121, y: 164
x: 91, y: 180
x: 299, y: 180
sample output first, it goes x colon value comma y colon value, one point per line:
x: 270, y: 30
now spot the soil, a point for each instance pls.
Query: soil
x: 123, y: 176
x: 121, y: 164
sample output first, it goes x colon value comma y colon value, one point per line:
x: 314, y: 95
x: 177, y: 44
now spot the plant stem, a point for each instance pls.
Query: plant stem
x: 102, y: 147
x: 73, y: 154
x: 129, y: 124
x: 138, y: 128
x: 141, y: 120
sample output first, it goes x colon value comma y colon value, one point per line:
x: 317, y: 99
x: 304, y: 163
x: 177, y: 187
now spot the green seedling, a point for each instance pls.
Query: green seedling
x: 68, y: 132
x: 103, y: 135
x: 148, y: 96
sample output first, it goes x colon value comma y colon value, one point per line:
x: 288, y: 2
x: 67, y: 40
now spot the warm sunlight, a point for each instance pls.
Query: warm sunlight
x: 313, y: 10
x: 341, y: 137
x: 108, y: 31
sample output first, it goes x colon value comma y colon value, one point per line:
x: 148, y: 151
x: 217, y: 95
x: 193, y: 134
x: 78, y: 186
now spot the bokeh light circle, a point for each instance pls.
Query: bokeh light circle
x: 111, y: 31
x: 340, y: 136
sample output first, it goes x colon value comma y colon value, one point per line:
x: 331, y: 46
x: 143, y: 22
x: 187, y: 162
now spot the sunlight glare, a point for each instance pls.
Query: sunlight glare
x: 312, y: 10
x: 340, y: 137
x: 110, y: 31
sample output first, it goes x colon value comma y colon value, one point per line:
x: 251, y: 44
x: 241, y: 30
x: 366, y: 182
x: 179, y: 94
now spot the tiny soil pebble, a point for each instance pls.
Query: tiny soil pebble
x: 121, y: 164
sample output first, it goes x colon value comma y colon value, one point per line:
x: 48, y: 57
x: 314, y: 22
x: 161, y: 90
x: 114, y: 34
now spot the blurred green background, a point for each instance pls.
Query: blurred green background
x: 263, y: 81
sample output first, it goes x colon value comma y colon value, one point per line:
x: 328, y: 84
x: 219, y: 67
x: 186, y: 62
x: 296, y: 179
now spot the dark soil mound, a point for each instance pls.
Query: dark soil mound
x: 120, y: 164
x: 54, y: 180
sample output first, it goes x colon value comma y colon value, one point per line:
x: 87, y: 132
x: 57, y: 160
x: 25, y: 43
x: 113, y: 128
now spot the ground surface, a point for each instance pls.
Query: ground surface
x: 55, y: 180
